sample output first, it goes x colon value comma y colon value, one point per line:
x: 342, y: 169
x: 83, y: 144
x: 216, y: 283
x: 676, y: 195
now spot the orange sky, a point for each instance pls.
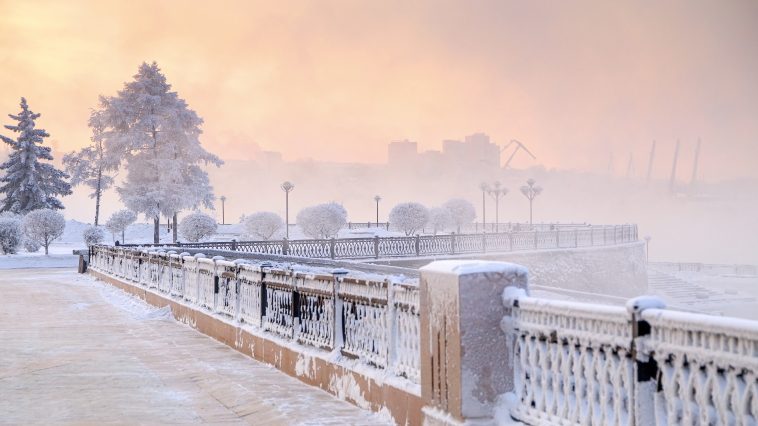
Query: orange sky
x: 330, y: 80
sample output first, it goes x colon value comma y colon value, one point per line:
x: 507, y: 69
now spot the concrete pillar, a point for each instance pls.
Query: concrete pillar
x: 465, y: 364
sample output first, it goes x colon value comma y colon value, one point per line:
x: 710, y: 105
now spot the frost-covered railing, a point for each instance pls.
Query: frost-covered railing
x: 373, y: 319
x: 578, y: 363
x: 538, y: 238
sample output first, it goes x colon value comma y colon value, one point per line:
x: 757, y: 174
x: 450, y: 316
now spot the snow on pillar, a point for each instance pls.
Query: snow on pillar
x: 465, y: 364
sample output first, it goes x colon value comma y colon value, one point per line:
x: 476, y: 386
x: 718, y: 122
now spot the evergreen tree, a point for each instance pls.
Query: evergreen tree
x: 156, y: 135
x: 28, y: 183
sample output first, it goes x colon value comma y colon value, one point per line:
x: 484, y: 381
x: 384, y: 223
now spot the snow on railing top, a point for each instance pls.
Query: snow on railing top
x: 539, y: 238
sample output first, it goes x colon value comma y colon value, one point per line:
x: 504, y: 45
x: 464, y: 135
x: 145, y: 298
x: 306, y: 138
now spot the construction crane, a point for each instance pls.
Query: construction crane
x: 519, y: 146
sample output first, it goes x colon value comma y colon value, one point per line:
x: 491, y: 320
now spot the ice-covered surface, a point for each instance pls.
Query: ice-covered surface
x: 79, y: 351
x: 465, y: 267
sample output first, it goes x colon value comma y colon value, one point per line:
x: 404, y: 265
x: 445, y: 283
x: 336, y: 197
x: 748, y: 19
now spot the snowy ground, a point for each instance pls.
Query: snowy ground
x: 77, y: 351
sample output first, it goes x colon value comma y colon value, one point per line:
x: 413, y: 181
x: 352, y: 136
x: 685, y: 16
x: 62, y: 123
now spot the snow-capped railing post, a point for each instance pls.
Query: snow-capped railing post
x: 331, y: 248
x: 285, y: 246
x: 376, y: 247
x: 452, y: 243
x: 417, y: 244
x: 338, y: 328
x: 646, y: 369
x: 464, y: 366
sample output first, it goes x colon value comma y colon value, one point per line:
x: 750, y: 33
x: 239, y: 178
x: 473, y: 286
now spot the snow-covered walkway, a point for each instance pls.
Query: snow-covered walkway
x: 74, y: 350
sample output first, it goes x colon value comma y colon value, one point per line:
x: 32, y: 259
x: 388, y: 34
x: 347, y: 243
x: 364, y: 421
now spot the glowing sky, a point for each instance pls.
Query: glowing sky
x: 576, y: 81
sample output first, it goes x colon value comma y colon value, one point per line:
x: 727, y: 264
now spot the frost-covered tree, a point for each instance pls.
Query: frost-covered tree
x: 409, y: 217
x: 91, y: 167
x: 30, y: 183
x: 155, y: 134
x: 11, y: 235
x: 461, y: 211
x: 262, y: 225
x: 322, y: 220
x: 439, y: 219
x: 119, y: 221
x: 197, y: 226
x: 93, y: 235
x: 43, y: 226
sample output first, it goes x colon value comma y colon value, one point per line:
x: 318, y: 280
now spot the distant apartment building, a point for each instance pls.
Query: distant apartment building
x: 474, y: 152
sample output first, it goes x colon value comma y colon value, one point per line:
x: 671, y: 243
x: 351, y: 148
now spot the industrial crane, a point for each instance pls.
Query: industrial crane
x: 519, y: 146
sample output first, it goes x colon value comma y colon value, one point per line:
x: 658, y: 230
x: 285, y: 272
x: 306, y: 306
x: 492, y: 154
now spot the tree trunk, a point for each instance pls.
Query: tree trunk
x: 98, y: 193
x: 176, y: 216
x: 157, y: 229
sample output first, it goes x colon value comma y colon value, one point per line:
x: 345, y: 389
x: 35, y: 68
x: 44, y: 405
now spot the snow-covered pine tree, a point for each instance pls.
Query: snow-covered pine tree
x: 156, y: 135
x: 91, y: 167
x: 29, y: 183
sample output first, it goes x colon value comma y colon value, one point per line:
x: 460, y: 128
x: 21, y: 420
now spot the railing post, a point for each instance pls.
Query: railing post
x: 331, y: 247
x: 557, y: 238
x: 285, y: 246
x: 376, y: 247
x: 535, y: 238
x: 338, y: 333
x: 645, y: 367
x: 234, y: 245
x: 576, y: 238
x: 484, y: 243
x: 463, y: 310
x: 417, y: 243
x: 452, y: 243
x: 510, y: 241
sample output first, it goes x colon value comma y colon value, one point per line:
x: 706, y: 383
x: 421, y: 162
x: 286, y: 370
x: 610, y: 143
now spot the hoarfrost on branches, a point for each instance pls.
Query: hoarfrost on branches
x: 461, y: 211
x: 440, y: 219
x: 10, y: 233
x: 409, y: 217
x: 322, y: 220
x: 31, y: 246
x: 93, y: 235
x: 119, y: 221
x: 197, y: 226
x: 43, y: 226
x: 29, y: 183
x: 262, y: 225
x: 155, y: 133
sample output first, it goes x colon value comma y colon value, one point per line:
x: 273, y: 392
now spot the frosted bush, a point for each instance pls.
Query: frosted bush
x: 119, y: 221
x: 197, y: 226
x: 440, y: 219
x: 31, y: 246
x: 322, y: 220
x: 461, y: 211
x: 43, y: 226
x: 262, y: 225
x: 409, y: 217
x: 93, y: 235
x: 10, y: 233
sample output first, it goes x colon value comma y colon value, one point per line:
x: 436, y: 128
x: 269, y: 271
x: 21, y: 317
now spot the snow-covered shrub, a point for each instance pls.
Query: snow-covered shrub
x: 43, y: 226
x: 439, y: 219
x: 262, y: 225
x: 196, y: 226
x: 93, y: 235
x: 322, y: 220
x: 461, y: 211
x: 10, y: 233
x: 31, y: 246
x: 119, y: 221
x: 409, y: 217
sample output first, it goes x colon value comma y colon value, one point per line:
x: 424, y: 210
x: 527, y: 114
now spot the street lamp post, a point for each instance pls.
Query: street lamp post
x: 531, y: 191
x: 496, y: 192
x: 484, y: 187
x: 223, y: 202
x: 287, y: 187
x: 377, y: 199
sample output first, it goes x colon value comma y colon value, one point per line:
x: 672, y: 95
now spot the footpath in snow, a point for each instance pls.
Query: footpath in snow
x: 79, y: 351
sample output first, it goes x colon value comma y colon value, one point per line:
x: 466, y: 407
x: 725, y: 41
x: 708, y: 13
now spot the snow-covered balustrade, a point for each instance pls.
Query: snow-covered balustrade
x: 366, y: 319
x: 176, y: 268
x: 578, y: 363
x: 143, y: 260
x: 315, y: 306
x: 369, y: 318
x: 707, y: 368
x: 206, y: 283
x: 227, y: 289
x: 536, y: 238
x: 154, y: 268
x: 279, y: 302
x: 573, y: 362
x: 250, y: 279
x: 407, y: 325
